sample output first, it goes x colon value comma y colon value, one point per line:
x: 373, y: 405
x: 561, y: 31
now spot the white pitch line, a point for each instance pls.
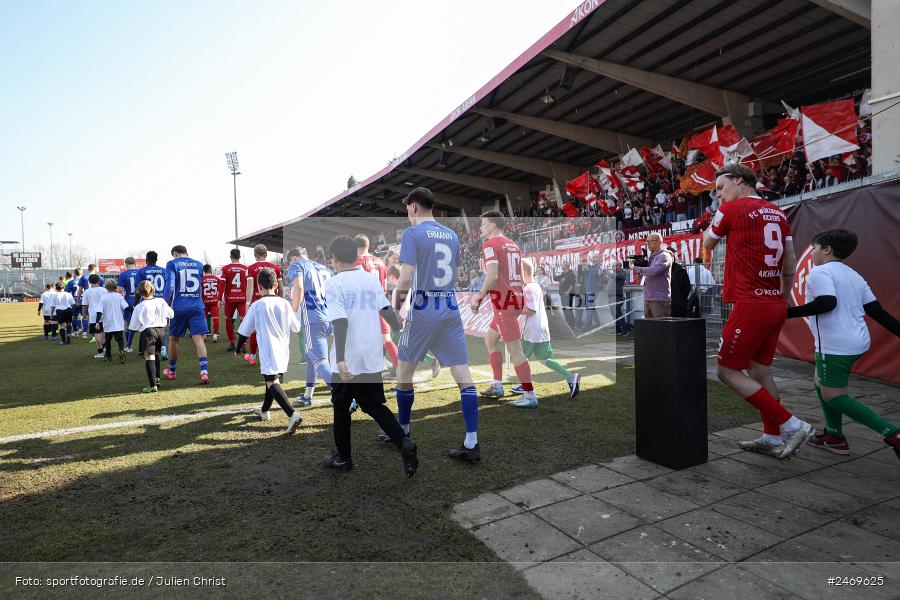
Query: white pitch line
x: 118, y: 424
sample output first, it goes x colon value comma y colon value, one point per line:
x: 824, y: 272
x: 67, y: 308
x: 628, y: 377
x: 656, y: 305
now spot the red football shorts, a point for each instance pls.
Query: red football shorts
x: 506, y: 323
x: 751, y: 334
x: 230, y: 306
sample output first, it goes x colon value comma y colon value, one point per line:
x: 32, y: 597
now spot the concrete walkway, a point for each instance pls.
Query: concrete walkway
x: 741, y: 526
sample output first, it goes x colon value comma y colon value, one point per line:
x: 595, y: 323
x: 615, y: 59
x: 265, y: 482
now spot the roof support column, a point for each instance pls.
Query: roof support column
x: 885, y: 86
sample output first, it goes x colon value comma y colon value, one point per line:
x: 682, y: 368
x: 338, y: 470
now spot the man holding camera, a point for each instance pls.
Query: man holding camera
x: 657, y: 273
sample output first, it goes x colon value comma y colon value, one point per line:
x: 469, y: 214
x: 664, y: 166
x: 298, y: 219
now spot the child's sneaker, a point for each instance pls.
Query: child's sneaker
x: 894, y: 441
x: 215, y: 338
x: 829, y: 442
x: 122, y: 356
x: 204, y: 378
x: 100, y: 355
x: 150, y: 389
x: 262, y: 414
x: 294, y: 423
x: 169, y: 374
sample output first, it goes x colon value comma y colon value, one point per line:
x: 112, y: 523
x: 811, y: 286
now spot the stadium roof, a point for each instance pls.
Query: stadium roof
x: 614, y: 74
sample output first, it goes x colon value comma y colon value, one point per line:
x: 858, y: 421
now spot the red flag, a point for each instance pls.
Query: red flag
x: 583, y: 187
x: 776, y: 143
x: 829, y: 129
x: 728, y: 136
x: 569, y: 209
x: 699, y: 178
x: 651, y: 160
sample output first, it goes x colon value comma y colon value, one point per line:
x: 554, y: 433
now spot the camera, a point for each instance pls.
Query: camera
x: 637, y: 260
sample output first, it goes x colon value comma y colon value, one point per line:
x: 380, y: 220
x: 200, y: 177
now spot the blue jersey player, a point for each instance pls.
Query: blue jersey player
x: 157, y: 276
x: 127, y: 286
x: 429, y: 253
x: 72, y: 288
x: 82, y: 286
x: 184, y: 275
x: 308, y: 279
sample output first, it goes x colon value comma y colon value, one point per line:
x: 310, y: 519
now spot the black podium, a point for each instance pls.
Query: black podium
x: 670, y: 391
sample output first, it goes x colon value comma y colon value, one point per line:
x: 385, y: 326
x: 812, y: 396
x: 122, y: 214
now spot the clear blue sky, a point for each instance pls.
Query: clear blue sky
x: 117, y: 115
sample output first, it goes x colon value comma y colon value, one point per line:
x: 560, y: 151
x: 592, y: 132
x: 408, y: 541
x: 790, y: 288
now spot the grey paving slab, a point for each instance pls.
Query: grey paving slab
x: 645, y: 502
x: 525, y: 539
x: 722, y: 446
x: 483, y: 509
x: 887, y: 455
x: 538, y: 493
x: 815, y: 497
x: 587, y: 519
x: 719, y: 534
x: 586, y: 580
x: 791, y: 551
x: 738, y: 472
x: 793, y: 466
x: 860, y: 446
x: 860, y: 430
x: 874, y: 470
x: 734, y: 583
x: 774, y: 515
x: 695, y: 487
x: 583, y: 555
x: 809, y: 580
x: 845, y: 542
x: 822, y: 457
x: 592, y: 478
x: 882, y: 519
x: 656, y: 557
x: 635, y: 467
x: 850, y: 482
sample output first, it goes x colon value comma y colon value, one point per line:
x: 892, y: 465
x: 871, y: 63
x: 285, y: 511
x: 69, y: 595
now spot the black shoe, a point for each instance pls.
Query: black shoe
x: 463, y: 453
x: 338, y: 462
x: 381, y: 436
x: 409, y: 451
x: 229, y: 349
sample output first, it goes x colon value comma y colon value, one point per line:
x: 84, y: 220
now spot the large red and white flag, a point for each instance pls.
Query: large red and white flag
x: 608, y: 181
x: 631, y: 178
x: 829, y: 129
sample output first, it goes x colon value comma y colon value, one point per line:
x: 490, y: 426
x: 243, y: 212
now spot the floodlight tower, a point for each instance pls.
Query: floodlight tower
x: 50, y: 223
x: 22, y: 219
x: 232, y: 159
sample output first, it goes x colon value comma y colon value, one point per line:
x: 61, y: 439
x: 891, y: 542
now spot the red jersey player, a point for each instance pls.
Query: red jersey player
x: 212, y: 290
x: 374, y: 265
x: 260, y: 252
x: 504, y: 284
x: 234, y: 277
x: 759, y: 271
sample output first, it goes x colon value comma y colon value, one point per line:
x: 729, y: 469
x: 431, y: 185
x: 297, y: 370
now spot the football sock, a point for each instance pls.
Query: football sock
x: 405, y: 400
x: 771, y: 427
x: 150, y: 366
x: 523, y: 372
x: 215, y: 324
x: 281, y: 398
x: 253, y: 344
x: 46, y: 330
x: 391, y: 349
x: 62, y: 334
x: 768, y: 406
x: 555, y: 366
x: 156, y: 362
x: 833, y: 417
x: 310, y: 390
x: 204, y: 364
x: 469, y: 399
x: 497, y: 366
x: 53, y: 330
x: 471, y: 440
x: 791, y: 425
x: 861, y: 413
x: 173, y: 364
x: 267, y: 400
x: 129, y: 336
